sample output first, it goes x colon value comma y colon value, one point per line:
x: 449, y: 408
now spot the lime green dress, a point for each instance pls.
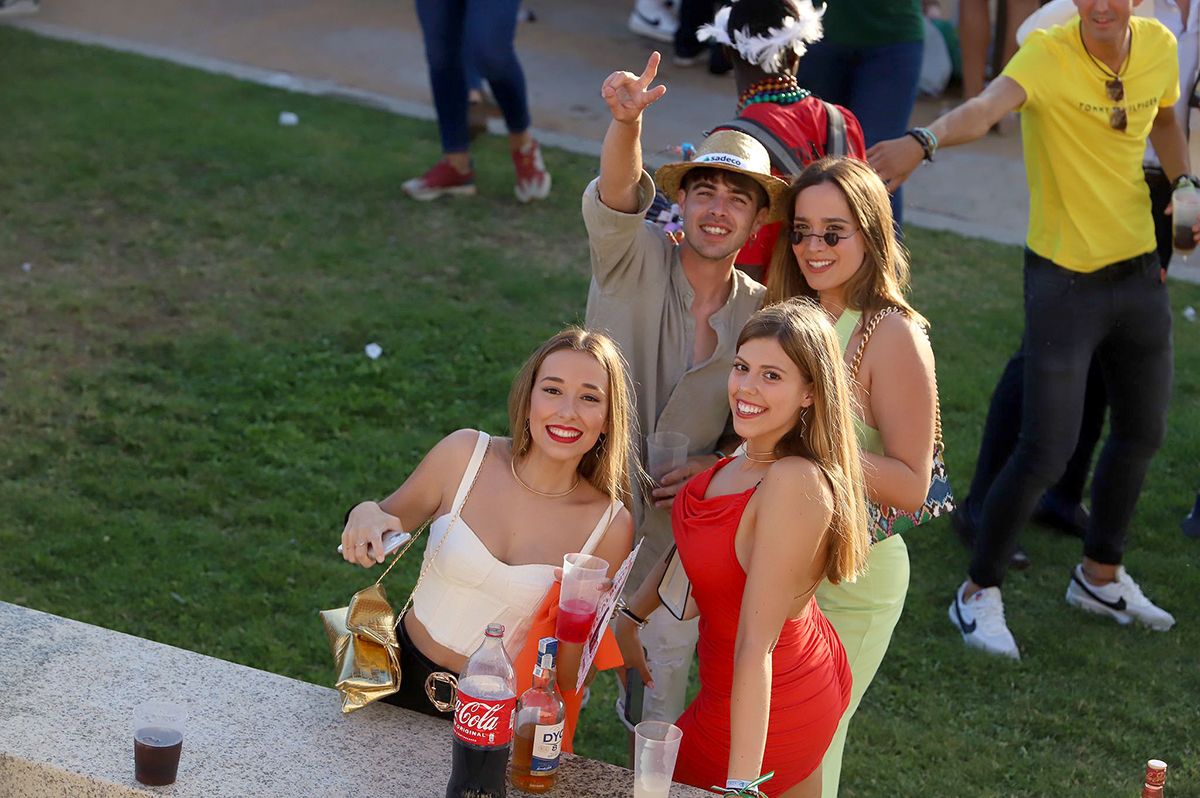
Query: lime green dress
x: 865, y: 612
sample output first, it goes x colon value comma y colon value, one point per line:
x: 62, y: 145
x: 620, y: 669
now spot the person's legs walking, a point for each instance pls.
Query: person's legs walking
x: 491, y: 29
x: 883, y: 91
x: 1136, y: 357
x: 442, y: 27
x: 1065, y: 318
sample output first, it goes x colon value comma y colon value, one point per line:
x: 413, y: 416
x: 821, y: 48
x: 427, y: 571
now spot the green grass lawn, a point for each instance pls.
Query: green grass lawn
x: 186, y: 411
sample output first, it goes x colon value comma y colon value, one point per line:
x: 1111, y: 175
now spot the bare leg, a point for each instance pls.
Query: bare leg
x: 1018, y: 12
x: 974, y: 30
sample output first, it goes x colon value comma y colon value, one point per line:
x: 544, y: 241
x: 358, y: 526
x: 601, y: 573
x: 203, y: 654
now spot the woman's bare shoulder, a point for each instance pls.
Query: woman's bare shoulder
x: 797, y: 482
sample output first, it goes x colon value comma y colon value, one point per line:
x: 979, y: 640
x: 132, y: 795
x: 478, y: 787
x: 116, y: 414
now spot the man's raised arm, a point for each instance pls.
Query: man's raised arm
x: 627, y: 96
x: 896, y: 159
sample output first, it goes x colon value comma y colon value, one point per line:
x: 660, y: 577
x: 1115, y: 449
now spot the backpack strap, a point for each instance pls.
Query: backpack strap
x: 783, y: 160
x: 835, y: 130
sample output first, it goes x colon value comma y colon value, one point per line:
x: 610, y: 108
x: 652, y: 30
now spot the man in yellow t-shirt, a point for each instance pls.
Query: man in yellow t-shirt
x: 1090, y: 93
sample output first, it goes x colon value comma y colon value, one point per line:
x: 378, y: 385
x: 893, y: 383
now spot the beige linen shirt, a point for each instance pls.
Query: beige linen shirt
x: 640, y: 296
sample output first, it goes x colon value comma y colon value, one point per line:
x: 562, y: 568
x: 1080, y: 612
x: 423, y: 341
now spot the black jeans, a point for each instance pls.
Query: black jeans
x: 1004, y: 413
x: 1119, y: 316
x: 1160, y: 198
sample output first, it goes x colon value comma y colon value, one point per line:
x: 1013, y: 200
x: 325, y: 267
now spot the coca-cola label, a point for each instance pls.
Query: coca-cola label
x: 486, y: 722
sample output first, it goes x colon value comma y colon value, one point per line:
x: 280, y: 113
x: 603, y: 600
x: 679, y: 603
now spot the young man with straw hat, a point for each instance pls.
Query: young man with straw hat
x: 676, y: 311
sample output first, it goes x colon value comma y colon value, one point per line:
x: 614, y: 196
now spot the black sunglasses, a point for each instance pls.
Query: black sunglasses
x: 1117, y: 119
x: 830, y: 238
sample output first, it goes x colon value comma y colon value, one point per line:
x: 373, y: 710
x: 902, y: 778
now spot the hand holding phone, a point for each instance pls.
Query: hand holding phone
x: 392, y: 540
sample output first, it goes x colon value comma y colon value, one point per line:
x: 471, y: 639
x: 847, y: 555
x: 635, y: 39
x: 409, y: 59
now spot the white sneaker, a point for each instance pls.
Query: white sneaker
x: 653, y: 19
x: 14, y: 7
x: 980, y: 619
x: 1121, y: 600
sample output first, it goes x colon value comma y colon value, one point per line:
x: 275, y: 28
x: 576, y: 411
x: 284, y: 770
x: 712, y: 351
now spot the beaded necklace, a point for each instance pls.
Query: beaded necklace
x: 778, y: 89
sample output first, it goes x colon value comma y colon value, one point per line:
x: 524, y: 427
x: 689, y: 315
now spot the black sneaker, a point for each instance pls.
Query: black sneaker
x: 964, y: 528
x: 1191, y: 524
x: 1069, y: 518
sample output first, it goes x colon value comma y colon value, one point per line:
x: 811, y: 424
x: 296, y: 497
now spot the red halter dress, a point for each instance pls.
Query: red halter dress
x: 810, y: 684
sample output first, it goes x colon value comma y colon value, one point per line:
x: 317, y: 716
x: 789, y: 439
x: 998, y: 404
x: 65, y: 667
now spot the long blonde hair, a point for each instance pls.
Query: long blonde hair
x: 606, y: 464
x: 883, y: 278
x: 824, y: 432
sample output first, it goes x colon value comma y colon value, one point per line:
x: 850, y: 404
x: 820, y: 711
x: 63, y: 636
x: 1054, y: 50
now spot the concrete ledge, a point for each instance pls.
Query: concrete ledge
x: 68, y: 689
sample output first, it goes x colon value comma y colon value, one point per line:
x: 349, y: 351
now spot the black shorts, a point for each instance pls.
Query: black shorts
x: 415, y: 669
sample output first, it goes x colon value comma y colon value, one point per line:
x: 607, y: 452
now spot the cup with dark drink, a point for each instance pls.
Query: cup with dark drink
x: 583, y: 583
x: 1185, y: 210
x: 157, y: 742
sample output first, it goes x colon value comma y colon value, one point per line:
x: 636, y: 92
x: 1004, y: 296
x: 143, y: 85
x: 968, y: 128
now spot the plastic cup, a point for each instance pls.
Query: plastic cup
x: 582, y: 586
x: 665, y: 452
x: 1185, y: 209
x: 157, y: 742
x: 655, y: 748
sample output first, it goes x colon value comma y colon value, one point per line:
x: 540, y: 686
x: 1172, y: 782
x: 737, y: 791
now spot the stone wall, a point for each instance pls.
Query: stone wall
x: 68, y: 689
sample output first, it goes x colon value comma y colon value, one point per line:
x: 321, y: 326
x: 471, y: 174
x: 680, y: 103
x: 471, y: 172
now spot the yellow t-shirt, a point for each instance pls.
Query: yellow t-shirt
x: 1088, y: 201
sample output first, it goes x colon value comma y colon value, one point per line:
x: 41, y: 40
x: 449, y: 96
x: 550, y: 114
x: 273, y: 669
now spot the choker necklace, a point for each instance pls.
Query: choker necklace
x: 513, y: 464
x: 779, y: 89
x: 754, y: 459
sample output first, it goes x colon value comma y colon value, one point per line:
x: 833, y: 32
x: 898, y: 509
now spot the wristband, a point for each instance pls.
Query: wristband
x: 748, y: 789
x: 924, y: 137
x: 623, y: 609
x: 1188, y: 180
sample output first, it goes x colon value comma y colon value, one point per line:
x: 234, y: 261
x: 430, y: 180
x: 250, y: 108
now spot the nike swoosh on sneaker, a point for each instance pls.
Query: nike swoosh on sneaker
x: 1118, y: 605
x: 958, y: 612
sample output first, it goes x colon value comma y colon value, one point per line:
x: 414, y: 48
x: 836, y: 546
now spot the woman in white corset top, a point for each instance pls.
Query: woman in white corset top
x: 559, y: 485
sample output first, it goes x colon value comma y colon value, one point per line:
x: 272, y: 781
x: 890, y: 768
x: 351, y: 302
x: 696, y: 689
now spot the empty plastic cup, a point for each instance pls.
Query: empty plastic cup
x: 655, y: 748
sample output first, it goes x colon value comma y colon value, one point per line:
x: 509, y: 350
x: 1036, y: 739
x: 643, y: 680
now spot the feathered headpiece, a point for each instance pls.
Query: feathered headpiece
x: 768, y: 51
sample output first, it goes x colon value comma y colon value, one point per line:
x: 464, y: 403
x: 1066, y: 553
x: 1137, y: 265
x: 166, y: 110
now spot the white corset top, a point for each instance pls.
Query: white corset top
x: 465, y: 588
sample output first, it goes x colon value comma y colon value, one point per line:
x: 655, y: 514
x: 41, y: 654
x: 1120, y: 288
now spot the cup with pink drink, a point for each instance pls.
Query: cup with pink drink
x: 584, y: 581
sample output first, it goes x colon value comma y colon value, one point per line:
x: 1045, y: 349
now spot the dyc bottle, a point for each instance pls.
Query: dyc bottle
x: 483, y: 721
x: 540, y: 714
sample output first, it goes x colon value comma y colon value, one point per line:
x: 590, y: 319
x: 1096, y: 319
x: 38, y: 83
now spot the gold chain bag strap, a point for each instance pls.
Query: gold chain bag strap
x: 362, y: 635
x: 884, y: 520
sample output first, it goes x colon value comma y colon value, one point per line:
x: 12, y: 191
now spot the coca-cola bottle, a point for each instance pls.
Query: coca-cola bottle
x: 1156, y: 779
x: 483, y: 721
x: 540, y: 713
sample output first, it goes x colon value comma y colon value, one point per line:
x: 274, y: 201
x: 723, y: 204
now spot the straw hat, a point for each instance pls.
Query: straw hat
x: 732, y: 151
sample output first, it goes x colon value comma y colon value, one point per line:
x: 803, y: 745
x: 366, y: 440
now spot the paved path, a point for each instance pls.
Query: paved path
x: 372, y: 50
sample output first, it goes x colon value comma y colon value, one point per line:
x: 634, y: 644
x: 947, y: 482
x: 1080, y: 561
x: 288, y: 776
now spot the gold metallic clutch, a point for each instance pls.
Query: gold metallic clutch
x: 366, y: 653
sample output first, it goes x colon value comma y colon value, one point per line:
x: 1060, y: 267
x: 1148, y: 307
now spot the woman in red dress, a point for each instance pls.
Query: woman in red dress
x: 756, y: 534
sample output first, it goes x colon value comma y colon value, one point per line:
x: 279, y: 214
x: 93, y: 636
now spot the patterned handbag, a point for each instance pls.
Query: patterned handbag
x: 884, y: 520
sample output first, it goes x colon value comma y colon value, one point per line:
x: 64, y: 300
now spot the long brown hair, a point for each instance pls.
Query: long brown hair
x: 824, y: 432
x: 883, y: 278
x: 606, y: 464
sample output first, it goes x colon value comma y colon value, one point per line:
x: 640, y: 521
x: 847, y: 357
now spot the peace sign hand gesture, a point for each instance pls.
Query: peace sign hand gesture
x: 627, y: 94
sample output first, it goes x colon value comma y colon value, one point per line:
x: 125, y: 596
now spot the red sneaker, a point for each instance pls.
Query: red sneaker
x: 442, y: 180
x: 533, y: 181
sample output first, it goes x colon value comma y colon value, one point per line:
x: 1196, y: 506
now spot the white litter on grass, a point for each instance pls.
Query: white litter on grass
x: 282, y: 80
x: 288, y: 119
x: 1189, y: 313
x: 26, y: 267
x: 373, y: 350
